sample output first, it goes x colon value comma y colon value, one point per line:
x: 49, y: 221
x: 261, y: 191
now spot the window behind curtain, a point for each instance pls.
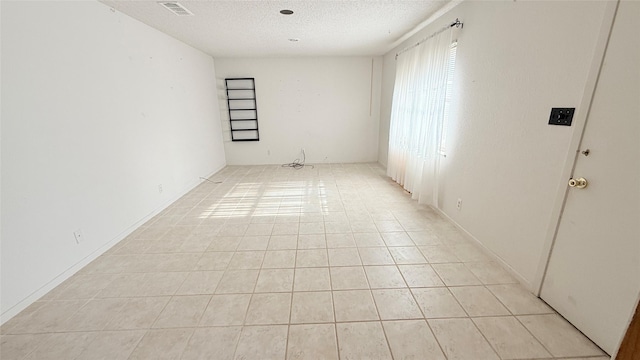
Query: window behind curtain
x: 421, y: 102
x: 448, y: 96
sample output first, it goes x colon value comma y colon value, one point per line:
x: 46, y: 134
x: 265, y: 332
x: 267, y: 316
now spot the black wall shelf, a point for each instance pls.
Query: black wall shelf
x: 243, y: 110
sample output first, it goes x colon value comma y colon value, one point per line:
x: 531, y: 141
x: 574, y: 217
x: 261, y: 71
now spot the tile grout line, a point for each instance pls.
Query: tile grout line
x: 293, y: 281
x: 375, y: 304
x: 422, y: 312
x: 515, y: 316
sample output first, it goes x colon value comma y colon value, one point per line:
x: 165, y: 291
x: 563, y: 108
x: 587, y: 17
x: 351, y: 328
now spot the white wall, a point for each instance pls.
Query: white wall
x: 328, y: 106
x: 386, y: 98
x: 97, y: 111
x: 516, y: 60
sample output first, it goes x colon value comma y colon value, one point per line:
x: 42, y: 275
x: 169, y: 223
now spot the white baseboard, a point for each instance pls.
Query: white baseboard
x: 487, y: 251
x: 60, y: 278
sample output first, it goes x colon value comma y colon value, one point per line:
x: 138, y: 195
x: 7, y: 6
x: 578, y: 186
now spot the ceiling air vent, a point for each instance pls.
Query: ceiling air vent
x: 176, y: 8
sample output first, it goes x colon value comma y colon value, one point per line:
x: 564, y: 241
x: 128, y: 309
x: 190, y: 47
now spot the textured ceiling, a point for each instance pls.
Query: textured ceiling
x: 257, y: 29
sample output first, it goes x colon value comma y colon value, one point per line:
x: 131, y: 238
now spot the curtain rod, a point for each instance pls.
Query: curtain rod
x: 456, y: 23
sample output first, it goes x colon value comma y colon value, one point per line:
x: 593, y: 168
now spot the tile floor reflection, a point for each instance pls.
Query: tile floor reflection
x: 330, y: 262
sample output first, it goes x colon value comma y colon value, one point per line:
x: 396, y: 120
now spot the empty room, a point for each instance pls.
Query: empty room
x: 320, y: 179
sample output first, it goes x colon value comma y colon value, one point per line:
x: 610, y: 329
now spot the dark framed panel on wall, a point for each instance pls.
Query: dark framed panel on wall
x: 243, y: 110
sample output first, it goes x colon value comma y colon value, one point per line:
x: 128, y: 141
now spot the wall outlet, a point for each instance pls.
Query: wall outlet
x: 160, y: 188
x: 78, y: 235
x: 459, y: 204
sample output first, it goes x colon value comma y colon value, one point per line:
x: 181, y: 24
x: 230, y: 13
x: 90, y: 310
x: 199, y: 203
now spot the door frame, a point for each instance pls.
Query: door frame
x: 630, y: 342
x: 580, y: 121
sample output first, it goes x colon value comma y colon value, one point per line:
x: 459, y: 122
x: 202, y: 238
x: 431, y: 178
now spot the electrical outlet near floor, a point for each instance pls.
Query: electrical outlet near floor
x: 78, y: 235
x: 159, y: 188
x: 459, y: 204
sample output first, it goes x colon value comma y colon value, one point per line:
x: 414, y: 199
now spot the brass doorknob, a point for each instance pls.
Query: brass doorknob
x: 579, y: 183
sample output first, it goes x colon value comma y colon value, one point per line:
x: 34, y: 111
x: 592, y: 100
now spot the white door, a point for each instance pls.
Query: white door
x: 593, y: 277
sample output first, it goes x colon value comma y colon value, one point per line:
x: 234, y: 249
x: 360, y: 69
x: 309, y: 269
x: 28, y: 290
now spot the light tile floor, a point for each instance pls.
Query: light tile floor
x: 329, y: 262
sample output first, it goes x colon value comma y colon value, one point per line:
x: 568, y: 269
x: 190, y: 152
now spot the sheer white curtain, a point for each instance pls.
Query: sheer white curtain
x: 417, y: 116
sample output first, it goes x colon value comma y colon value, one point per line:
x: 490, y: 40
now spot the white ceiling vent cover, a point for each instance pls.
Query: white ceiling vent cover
x: 176, y: 8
